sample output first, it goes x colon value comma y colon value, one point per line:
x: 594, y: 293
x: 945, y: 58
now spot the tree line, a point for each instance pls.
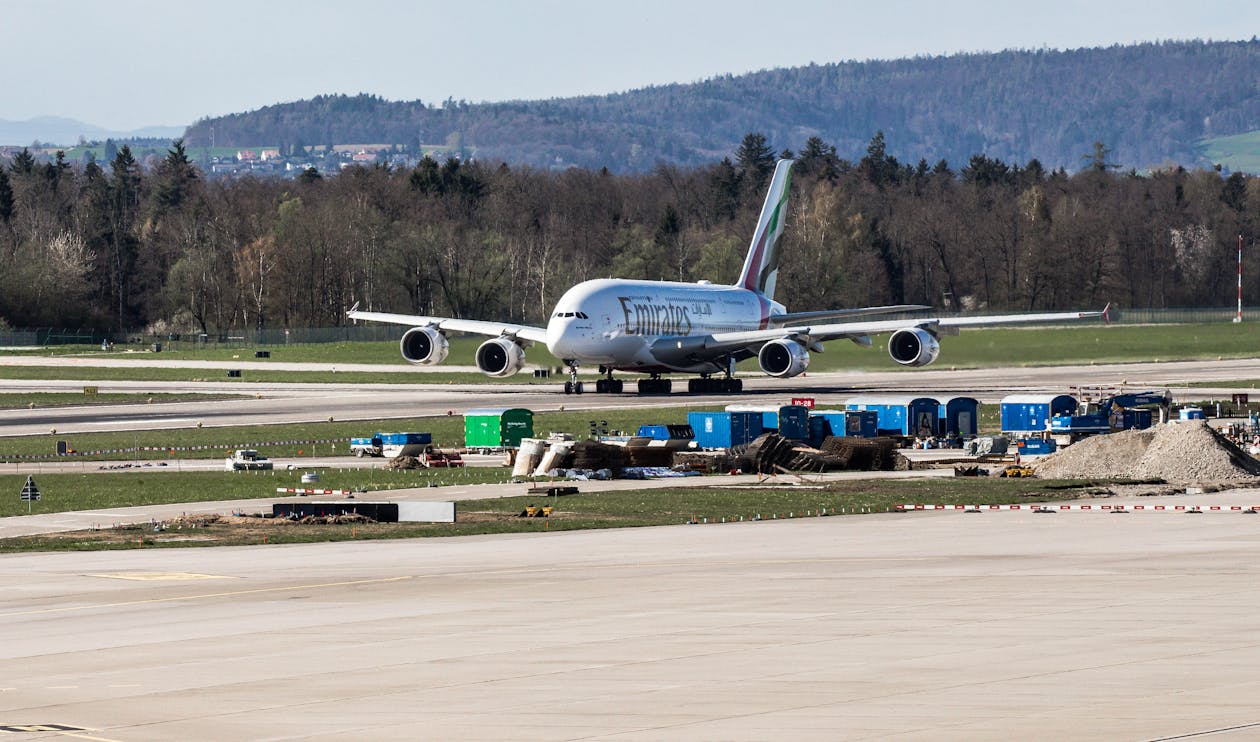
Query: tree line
x: 1152, y: 102
x: 122, y: 248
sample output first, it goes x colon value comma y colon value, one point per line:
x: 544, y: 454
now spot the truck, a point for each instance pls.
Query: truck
x: 1110, y: 414
x: 391, y: 445
x: 247, y: 459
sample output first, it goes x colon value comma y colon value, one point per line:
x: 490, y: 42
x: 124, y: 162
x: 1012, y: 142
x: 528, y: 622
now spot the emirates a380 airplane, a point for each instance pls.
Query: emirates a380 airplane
x: 660, y: 327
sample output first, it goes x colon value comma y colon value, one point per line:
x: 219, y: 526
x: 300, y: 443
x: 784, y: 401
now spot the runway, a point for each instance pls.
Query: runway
x: 274, y: 403
x: 916, y: 626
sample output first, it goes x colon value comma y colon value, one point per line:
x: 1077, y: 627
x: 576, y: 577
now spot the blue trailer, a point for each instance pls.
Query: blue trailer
x: 1031, y: 413
x: 725, y: 429
x: 854, y: 423
x: 904, y: 415
x: 959, y: 416
x: 789, y: 421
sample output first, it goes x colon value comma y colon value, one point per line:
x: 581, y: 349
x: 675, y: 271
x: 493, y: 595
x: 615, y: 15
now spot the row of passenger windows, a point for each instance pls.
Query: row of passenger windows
x: 579, y: 315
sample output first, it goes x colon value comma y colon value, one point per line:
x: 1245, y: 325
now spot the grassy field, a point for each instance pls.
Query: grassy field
x: 94, y: 491
x: 35, y: 400
x: 447, y: 431
x: 1240, y: 152
x: 657, y: 507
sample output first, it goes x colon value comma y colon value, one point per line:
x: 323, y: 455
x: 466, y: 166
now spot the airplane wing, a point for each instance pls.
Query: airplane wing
x: 812, y: 335
x: 473, y: 326
x: 780, y: 320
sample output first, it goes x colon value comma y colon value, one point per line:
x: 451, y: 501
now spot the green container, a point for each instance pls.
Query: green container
x: 500, y: 427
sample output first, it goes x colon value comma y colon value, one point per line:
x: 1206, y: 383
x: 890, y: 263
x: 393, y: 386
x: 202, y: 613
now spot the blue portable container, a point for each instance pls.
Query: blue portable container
x: 794, y: 422
x: 959, y: 416
x: 1031, y: 413
x: 861, y: 423
x: 724, y: 429
x: 855, y: 423
x: 1190, y: 413
x: 901, y: 414
x: 1036, y: 446
x: 655, y: 432
x: 819, y: 429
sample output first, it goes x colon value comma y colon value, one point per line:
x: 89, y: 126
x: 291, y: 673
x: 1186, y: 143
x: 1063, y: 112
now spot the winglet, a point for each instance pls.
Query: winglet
x: 353, y: 309
x: 1106, y: 313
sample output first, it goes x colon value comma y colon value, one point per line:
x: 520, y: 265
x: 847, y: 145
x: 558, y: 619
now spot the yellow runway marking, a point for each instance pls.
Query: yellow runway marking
x: 204, y: 596
x: 163, y: 576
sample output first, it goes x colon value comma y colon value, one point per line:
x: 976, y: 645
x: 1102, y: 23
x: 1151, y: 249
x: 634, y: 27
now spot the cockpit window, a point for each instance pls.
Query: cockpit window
x: 579, y: 315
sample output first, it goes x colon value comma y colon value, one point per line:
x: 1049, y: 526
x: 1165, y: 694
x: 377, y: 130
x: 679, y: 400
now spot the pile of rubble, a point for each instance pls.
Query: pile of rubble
x: 771, y: 453
x: 1178, y: 452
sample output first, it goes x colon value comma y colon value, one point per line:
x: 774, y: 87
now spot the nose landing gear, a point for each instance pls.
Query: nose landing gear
x: 573, y: 386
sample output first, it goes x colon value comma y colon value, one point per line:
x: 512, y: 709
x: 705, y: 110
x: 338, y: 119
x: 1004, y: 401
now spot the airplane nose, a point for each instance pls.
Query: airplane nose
x: 559, y: 342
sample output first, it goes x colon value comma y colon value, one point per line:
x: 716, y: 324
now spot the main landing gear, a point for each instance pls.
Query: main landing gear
x: 655, y: 385
x: 608, y: 385
x: 710, y: 385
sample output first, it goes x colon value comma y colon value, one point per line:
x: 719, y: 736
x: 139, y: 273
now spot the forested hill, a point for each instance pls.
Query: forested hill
x: 1151, y: 104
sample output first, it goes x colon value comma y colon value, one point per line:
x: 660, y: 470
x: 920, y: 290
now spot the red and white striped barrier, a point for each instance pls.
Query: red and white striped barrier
x: 1093, y: 508
x: 302, y: 491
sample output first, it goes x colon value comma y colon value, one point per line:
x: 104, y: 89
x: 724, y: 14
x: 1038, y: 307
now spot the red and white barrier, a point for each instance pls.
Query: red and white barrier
x: 1092, y: 508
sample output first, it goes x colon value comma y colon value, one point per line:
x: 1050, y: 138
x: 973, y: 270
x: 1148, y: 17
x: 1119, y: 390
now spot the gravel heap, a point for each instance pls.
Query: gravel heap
x: 1178, y: 451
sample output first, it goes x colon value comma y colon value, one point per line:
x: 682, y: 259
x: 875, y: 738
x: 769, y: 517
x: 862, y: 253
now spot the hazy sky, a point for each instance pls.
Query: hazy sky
x: 123, y: 64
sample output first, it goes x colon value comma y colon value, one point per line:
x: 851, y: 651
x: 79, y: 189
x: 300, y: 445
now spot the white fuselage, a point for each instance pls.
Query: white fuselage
x: 613, y: 322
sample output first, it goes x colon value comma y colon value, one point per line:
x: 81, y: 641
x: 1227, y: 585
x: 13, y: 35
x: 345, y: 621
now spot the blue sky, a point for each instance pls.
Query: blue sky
x: 123, y: 64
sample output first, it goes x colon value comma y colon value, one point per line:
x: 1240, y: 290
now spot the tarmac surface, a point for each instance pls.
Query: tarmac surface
x: 922, y: 626
x: 278, y: 402
x: 915, y: 626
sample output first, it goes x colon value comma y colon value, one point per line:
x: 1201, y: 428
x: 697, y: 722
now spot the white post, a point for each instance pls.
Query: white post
x: 1238, y: 317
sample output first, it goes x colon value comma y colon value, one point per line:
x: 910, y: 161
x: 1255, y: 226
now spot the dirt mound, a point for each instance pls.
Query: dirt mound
x: 1180, y: 452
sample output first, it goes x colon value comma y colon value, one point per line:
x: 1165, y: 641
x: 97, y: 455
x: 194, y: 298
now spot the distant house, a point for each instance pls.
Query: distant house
x: 246, y: 155
x: 362, y: 156
x: 270, y: 154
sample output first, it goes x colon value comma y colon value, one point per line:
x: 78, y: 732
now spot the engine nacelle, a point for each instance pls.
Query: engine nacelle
x: 783, y: 358
x: 913, y: 347
x: 424, y: 346
x: 500, y: 357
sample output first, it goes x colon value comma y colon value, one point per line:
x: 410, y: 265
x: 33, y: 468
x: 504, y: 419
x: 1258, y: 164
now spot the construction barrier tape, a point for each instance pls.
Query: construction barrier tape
x: 1093, y: 508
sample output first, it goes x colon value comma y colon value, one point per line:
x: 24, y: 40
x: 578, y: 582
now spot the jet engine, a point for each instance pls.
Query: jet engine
x: 783, y: 358
x: 424, y: 346
x: 500, y: 357
x: 913, y: 347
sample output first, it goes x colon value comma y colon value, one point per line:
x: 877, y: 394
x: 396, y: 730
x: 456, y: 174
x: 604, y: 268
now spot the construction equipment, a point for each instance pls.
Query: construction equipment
x: 1111, y: 414
x: 1014, y: 471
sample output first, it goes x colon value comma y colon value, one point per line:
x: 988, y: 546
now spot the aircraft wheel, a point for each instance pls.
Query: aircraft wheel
x: 568, y: 387
x: 618, y: 386
x: 577, y: 388
x: 601, y: 386
x: 667, y: 386
x: 739, y: 385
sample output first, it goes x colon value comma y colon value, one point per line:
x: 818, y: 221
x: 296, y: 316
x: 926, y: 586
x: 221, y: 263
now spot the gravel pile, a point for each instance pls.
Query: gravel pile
x: 1181, y: 451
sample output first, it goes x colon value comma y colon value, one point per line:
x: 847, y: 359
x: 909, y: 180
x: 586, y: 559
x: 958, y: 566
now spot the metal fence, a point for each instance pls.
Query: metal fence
x: 40, y: 337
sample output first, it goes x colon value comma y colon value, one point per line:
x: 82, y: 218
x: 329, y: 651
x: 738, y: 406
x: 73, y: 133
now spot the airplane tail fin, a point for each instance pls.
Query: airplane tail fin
x: 761, y: 266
